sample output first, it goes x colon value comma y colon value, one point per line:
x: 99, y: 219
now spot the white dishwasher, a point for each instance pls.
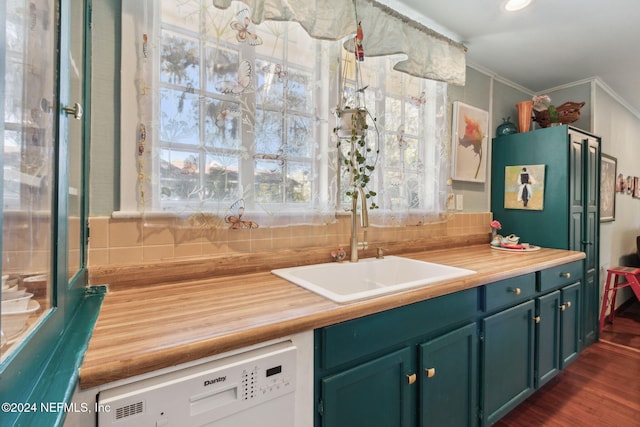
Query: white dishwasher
x: 255, y: 388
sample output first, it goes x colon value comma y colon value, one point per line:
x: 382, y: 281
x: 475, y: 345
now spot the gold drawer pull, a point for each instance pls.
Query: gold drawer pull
x: 431, y: 372
x: 566, y: 275
x: 537, y: 319
x: 411, y: 378
x: 516, y: 291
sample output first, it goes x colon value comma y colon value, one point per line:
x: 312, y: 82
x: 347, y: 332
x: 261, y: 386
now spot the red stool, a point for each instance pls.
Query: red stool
x: 631, y: 276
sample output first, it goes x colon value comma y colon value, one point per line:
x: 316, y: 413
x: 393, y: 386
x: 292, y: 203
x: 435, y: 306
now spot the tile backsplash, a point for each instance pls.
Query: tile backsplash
x: 115, y: 241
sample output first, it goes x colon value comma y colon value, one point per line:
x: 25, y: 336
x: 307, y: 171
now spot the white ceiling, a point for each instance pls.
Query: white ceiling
x: 551, y: 43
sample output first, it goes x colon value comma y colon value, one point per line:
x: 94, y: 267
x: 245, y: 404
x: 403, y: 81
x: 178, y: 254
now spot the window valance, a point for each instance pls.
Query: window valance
x: 427, y: 53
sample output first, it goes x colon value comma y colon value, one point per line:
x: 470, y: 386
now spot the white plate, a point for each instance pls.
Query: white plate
x: 16, y: 305
x: 14, y: 323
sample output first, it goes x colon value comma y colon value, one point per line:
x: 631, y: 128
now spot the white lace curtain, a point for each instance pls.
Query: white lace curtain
x: 429, y: 54
x: 413, y: 188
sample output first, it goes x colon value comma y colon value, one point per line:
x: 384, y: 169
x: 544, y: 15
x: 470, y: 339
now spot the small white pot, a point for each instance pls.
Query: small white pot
x: 351, y: 122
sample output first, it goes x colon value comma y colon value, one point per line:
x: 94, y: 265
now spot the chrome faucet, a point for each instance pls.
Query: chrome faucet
x: 364, y: 223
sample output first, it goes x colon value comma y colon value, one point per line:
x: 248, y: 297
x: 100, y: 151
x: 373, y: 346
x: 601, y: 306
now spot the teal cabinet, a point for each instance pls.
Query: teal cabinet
x: 585, y: 209
x: 414, y: 365
x: 449, y: 379
x: 507, y: 360
x: 374, y: 393
x: 547, y: 337
x: 463, y: 359
x: 557, y: 331
x: 570, y: 215
x: 570, y: 323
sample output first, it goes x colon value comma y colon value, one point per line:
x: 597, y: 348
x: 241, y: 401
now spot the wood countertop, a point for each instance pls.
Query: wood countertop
x: 142, y: 329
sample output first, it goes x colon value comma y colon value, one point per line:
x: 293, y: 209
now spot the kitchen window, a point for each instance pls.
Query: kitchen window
x: 233, y: 115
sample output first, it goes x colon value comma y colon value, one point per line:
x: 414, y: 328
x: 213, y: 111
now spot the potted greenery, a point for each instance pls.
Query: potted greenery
x: 357, y: 156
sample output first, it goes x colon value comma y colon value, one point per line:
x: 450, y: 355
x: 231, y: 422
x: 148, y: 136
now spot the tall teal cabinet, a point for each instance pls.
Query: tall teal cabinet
x: 569, y: 218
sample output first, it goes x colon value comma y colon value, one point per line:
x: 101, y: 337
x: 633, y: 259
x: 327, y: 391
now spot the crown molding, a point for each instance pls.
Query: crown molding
x: 594, y: 81
x: 495, y: 77
x: 597, y: 81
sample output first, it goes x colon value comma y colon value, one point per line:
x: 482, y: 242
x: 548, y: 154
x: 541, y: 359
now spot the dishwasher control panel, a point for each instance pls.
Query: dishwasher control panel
x: 256, y: 385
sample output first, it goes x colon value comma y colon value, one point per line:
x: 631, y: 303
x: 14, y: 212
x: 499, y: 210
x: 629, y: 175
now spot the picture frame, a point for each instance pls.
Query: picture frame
x: 608, y: 188
x: 621, y: 184
x: 524, y: 187
x: 469, y: 140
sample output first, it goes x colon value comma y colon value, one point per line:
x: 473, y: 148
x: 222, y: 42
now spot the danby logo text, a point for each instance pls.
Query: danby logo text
x: 214, y: 381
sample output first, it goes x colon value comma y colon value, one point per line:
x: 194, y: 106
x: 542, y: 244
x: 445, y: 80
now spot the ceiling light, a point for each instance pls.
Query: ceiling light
x: 513, y: 5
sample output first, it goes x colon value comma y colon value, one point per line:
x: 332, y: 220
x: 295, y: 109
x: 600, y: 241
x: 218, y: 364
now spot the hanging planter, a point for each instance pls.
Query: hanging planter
x: 352, y: 122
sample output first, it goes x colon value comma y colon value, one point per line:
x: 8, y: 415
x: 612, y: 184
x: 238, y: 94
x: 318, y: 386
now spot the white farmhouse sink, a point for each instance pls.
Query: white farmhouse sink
x: 344, y: 282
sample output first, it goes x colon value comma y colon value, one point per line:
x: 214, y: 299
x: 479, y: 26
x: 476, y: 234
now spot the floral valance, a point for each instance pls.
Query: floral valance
x: 427, y: 54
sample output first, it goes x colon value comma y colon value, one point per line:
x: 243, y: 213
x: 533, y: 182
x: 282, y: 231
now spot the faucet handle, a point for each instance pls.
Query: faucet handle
x: 379, y: 253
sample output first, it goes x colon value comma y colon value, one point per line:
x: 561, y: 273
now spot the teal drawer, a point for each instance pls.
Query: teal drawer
x: 556, y: 277
x: 347, y: 341
x: 509, y: 291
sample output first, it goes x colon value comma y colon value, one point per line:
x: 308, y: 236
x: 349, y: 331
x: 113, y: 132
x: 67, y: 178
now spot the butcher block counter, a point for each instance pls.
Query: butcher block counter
x: 144, y: 328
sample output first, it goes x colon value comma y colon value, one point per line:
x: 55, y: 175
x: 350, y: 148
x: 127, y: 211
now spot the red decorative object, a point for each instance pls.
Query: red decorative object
x: 359, y: 48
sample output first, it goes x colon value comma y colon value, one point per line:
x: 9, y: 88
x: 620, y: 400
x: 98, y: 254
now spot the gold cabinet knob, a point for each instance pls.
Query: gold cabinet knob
x: 516, y: 291
x: 431, y: 372
x: 563, y: 307
x: 568, y: 304
x: 537, y: 319
x: 566, y: 275
x: 411, y: 378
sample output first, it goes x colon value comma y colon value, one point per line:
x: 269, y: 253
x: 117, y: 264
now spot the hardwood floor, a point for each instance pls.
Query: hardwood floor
x: 600, y: 389
x: 625, y: 329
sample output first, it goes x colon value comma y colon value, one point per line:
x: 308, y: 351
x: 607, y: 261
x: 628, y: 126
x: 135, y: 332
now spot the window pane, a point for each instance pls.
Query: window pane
x: 393, y: 114
x: 180, y: 117
x: 271, y: 80
x: 298, y: 184
x: 222, y: 124
x: 268, y: 132
x: 299, y: 90
x: 299, y: 136
x: 412, y: 120
x: 179, y: 60
x: 221, y: 176
x: 179, y: 178
x: 268, y: 181
x: 222, y: 69
x: 28, y: 132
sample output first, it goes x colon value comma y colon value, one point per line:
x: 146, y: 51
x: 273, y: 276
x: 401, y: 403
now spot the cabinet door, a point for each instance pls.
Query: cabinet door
x: 590, y: 302
x: 508, y: 360
x: 570, y: 324
x: 547, y: 337
x: 591, y: 244
x: 576, y: 191
x: 376, y: 393
x: 585, y: 226
x: 448, y: 379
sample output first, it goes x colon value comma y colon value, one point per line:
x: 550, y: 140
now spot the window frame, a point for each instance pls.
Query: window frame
x: 129, y: 206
